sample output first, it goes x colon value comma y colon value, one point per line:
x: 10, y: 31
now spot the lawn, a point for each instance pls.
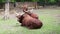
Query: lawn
x: 49, y: 17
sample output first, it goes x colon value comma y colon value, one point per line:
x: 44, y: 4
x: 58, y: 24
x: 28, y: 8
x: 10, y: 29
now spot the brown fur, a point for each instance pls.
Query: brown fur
x: 34, y: 16
x: 30, y: 22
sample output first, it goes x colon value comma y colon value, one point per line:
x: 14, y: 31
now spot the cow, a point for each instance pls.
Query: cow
x: 28, y: 21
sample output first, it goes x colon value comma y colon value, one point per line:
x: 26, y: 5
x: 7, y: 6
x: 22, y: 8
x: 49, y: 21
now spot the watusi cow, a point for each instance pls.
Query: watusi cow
x: 29, y: 19
x: 29, y: 22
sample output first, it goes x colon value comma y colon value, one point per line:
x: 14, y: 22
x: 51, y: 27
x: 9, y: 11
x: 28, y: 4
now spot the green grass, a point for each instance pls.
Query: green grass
x: 51, y: 24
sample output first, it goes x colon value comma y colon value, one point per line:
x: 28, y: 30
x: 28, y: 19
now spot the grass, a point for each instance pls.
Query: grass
x: 49, y: 17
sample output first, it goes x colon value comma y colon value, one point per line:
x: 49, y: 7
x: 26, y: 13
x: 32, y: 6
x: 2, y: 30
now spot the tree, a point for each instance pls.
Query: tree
x: 35, y: 3
x: 58, y: 2
x: 6, y: 15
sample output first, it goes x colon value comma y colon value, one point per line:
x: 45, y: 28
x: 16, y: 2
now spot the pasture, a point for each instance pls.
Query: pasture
x: 49, y: 17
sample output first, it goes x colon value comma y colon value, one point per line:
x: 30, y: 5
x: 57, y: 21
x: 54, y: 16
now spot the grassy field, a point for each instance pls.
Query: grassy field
x: 49, y: 17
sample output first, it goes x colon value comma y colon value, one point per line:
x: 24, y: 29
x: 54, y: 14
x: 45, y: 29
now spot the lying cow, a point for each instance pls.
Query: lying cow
x: 28, y: 21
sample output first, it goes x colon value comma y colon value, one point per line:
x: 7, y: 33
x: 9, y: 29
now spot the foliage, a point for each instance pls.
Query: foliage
x: 35, y: 0
x: 40, y: 1
x: 52, y: 1
x: 3, y: 1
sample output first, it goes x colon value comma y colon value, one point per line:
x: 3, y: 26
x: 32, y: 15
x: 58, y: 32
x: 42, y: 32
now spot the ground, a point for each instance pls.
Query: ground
x: 49, y: 17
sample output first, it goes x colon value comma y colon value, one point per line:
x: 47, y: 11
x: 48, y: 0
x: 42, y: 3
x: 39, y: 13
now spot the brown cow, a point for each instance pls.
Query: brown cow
x: 29, y: 19
x: 29, y: 22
